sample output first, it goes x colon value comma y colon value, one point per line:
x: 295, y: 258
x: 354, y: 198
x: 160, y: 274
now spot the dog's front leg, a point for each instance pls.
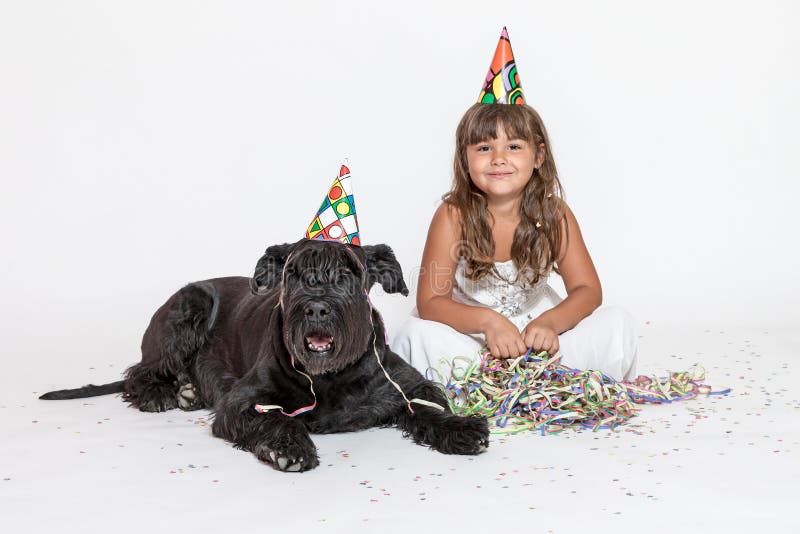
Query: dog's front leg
x: 441, y: 430
x: 282, y: 442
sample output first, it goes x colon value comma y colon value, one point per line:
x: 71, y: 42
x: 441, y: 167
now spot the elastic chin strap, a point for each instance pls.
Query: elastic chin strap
x: 263, y: 408
x: 389, y: 378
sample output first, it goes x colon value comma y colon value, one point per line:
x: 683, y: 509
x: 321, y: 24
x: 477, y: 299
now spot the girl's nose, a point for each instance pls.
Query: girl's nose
x: 498, y: 157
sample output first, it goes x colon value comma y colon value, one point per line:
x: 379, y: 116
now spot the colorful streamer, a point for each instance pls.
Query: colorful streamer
x: 534, y: 392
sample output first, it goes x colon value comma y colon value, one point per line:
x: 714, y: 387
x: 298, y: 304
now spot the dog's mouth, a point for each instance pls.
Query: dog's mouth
x: 319, y: 343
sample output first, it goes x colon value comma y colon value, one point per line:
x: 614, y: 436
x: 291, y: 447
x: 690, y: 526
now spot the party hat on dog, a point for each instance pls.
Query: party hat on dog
x: 336, y: 218
x: 502, y: 81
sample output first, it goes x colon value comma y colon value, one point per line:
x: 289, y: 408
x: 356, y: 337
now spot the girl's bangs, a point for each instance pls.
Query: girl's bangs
x: 483, y: 125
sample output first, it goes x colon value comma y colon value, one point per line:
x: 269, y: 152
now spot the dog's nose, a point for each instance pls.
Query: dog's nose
x: 317, y: 311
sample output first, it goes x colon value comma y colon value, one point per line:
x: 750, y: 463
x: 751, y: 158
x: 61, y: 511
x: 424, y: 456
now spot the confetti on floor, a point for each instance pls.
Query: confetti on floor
x: 661, y: 463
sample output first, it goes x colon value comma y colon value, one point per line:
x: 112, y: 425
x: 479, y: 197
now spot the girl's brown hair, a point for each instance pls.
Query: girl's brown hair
x: 537, y: 239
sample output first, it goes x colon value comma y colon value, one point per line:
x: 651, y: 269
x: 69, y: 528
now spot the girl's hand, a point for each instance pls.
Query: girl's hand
x: 502, y: 337
x: 540, y: 336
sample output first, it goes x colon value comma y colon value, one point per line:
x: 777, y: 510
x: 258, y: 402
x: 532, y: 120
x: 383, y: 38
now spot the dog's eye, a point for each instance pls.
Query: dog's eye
x: 342, y: 276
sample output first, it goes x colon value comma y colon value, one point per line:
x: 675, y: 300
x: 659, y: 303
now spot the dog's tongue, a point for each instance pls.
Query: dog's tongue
x: 319, y: 341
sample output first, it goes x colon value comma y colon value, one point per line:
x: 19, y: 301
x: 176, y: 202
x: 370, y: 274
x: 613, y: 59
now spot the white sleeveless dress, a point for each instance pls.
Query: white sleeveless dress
x: 606, y: 340
x: 515, y: 299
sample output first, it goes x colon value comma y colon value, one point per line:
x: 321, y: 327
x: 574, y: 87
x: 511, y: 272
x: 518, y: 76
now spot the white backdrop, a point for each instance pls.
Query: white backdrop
x: 147, y: 144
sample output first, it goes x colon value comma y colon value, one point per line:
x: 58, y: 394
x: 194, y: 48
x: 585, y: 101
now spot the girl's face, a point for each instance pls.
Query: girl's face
x: 502, y: 167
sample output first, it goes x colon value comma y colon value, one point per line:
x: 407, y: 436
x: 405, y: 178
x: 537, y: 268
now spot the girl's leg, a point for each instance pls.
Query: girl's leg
x: 424, y: 344
x: 606, y: 341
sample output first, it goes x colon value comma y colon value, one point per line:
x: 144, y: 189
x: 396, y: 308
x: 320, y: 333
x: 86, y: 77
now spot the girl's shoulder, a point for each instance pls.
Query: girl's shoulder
x: 444, y: 235
x: 562, y: 213
x: 567, y: 217
x: 447, y: 219
x: 561, y: 204
x: 569, y: 228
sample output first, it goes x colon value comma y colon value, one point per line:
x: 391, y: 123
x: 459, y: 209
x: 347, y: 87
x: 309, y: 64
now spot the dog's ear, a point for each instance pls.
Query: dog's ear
x: 269, y: 268
x: 382, y: 267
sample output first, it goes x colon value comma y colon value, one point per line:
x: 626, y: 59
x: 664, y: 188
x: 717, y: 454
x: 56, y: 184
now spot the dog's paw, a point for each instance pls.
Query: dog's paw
x: 463, y: 435
x: 157, y: 405
x: 290, y: 457
x: 158, y: 397
x: 188, y: 398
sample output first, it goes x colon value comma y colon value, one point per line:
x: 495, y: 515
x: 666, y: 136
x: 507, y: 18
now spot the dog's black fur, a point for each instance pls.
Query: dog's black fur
x: 227, y: 344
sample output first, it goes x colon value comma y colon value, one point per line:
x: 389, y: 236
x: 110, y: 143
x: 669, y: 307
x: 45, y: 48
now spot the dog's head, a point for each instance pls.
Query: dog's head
x: 323, y: 288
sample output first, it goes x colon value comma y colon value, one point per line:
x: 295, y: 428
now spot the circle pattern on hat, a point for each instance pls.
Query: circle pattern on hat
x: 343, y: 208
x: 335, y: 231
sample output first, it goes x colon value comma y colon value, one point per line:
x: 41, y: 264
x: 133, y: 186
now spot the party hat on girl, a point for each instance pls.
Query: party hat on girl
x: 502, y: 81
x: 336, y: 218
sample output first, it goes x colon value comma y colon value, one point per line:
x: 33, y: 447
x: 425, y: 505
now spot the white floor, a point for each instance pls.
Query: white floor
x: 723, y: 464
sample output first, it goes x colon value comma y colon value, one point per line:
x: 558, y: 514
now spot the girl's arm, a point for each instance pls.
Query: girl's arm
x: 434, y: 293
x: 584, y: 293
x: 437, y: 276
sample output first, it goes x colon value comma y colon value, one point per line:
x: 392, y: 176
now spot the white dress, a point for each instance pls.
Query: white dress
x: 606, y: 340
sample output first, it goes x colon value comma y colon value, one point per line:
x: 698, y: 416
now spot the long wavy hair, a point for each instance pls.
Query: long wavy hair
x: 537, y: 239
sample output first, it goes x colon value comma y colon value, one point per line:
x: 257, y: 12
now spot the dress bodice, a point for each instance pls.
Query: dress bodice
x: 509, y: 295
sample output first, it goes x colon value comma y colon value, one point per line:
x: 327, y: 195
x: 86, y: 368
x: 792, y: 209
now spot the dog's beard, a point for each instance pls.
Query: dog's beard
x: 332, y: 346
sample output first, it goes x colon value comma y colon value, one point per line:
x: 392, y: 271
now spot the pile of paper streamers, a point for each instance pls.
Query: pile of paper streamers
x: 534, y: 392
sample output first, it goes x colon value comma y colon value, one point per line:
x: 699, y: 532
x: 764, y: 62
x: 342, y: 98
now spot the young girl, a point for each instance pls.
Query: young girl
x: 491, y: 246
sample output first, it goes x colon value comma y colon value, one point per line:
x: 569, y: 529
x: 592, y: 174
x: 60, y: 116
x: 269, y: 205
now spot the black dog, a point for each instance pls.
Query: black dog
x: 300, y: 340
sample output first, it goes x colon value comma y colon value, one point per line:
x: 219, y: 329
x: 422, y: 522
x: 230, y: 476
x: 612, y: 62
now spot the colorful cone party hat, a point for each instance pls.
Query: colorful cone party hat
x: 502, y: 81
x: 336, y: 219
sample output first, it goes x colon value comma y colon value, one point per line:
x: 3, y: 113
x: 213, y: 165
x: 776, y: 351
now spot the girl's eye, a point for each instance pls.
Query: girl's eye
x: 482, y: 148
x: 515, y: 147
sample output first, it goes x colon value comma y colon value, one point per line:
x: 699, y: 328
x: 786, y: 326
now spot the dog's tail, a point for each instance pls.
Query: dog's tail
x: 89, y: 390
